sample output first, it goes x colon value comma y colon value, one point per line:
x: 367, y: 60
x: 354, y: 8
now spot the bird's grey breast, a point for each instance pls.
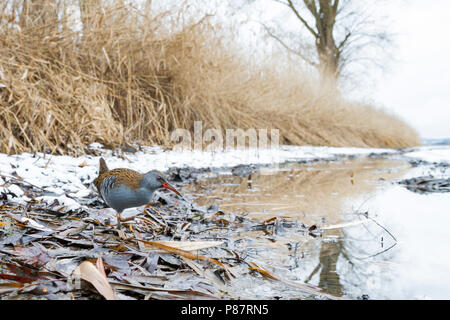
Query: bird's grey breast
x: 122, y: 197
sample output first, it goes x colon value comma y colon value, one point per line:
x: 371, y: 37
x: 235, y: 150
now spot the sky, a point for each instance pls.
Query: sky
x: 417, y: 86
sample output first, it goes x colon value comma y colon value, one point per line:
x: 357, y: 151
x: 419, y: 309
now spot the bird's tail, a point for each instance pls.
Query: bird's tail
x: 103, y: 166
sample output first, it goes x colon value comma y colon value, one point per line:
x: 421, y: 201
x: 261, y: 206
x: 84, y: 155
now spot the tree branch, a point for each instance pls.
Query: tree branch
x: 335, y: 6
x: 342, y: 44
x: 297, y: 14
x: 334, y: 10
x: 274, y: 36
x: 311, y: 5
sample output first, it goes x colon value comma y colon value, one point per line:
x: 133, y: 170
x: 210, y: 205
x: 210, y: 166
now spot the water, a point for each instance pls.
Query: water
x: 437, y: 142
x: 380, y: 240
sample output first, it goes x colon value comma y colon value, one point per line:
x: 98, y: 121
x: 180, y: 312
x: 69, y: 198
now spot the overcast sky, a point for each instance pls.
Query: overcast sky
x: 417, y: 86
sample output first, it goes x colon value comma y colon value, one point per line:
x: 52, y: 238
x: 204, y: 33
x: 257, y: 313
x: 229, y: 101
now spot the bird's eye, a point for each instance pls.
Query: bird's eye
x: 158, y: 178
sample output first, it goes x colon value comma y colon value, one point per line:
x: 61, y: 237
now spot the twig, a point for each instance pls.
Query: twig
x: 212, y: 228
x: 382, y: 227
x: 367, y: 216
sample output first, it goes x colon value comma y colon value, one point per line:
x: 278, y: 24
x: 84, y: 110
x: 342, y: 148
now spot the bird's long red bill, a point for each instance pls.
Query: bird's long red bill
x: 168, y: 186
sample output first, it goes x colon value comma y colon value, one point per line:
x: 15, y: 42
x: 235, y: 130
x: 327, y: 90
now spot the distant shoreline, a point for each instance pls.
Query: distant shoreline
x: 436, y: 142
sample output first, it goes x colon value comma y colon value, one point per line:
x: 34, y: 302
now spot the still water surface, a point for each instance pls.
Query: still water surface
x: 399, y: 252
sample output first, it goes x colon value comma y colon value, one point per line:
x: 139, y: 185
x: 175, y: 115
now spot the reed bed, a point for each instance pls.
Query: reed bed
x: 121, y: 74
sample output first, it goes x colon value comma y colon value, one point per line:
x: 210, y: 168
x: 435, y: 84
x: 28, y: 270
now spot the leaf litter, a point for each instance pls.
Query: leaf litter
x: 58, y: 249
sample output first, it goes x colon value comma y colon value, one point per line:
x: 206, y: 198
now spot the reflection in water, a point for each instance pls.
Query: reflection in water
x: 323, y: 194
x: 309, y: 192
x: 328, y: 257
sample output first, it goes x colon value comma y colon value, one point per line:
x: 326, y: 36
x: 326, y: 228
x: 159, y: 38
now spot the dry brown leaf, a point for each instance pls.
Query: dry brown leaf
x: 270, y: 220
x: 83, y: 164
x: 11, y: 284
x: 101, y: 267
x: 189, y: 245
x: 87, y: 271
x: 180, y: 252
x: 27, y: 222
x: 264, y: 272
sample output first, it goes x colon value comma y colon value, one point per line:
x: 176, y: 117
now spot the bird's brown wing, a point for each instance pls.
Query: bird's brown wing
x: 130, y: 178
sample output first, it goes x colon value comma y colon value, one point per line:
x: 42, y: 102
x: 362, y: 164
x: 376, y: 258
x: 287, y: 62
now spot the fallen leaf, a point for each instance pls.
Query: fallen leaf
x: 343, y: 225
x: 29, y: 222
x: 11, y: 284
x: 16, y: 278
x: 83, y: 164
x: 188, y: 245
x: 207, y: 274
x: 87, y: 271
x: 184, y: 253
x: 189, y: 292
x: 270, y: 220
x: 101, y: 267
x: 264, y: 272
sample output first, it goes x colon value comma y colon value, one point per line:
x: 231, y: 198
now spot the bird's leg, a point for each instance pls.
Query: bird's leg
x: 120, y: 232
x: 119, y: 218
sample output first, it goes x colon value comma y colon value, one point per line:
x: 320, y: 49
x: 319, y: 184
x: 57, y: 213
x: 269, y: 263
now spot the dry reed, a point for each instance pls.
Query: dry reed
x: 132, y: 75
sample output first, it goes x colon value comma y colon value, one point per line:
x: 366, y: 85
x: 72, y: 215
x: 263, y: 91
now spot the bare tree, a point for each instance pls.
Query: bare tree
x: 340, y: 31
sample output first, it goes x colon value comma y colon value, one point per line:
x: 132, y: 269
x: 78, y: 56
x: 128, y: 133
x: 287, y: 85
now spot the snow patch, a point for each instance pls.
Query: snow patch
x: 62, y: 176
x: 67, y: 204
x: 437, y: 154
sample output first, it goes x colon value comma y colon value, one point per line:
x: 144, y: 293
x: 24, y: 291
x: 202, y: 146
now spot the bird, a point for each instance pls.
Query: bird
x: 124, y: 188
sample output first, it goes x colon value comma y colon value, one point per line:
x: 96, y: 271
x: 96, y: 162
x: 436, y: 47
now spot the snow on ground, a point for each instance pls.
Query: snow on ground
x: 437, y: 154
x: 71, y: 173
x: 64, y: 178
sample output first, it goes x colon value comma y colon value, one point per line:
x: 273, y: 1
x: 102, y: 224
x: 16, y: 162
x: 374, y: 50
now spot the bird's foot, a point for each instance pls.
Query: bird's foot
x: 151, y: 204
x: 121, y: 219
x: 119, y: 229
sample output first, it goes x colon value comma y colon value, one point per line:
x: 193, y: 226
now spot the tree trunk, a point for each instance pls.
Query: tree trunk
x: 327, y: 50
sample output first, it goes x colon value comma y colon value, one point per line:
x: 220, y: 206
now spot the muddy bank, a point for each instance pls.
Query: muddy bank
x: 312, y: 227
